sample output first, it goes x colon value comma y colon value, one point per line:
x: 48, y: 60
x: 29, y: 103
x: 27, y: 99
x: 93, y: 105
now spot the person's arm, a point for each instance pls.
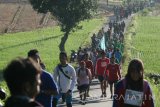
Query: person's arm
x: 96, y: 68
x: 89, y: 75
x: 118, y: 69
x: 51, y: 86
x: 149, y: 100
x: 55, y: 74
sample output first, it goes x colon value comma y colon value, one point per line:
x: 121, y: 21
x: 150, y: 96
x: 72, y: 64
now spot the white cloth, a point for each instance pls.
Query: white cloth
x: 65, y: 84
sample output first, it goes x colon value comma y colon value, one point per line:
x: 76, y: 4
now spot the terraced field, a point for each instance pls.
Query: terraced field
x: 7, y: 12
x: 17, y: 17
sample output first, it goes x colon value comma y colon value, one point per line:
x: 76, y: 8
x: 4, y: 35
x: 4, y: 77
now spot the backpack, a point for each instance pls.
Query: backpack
x: 86, y: 72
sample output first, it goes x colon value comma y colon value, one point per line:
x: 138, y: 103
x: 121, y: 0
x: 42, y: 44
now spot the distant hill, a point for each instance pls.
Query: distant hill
x: 12, y: 1
x: 18, y: 15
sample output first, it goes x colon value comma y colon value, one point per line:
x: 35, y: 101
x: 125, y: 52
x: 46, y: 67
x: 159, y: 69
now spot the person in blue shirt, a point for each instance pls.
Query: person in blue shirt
x: 118, y: 55
x: 48, y: 88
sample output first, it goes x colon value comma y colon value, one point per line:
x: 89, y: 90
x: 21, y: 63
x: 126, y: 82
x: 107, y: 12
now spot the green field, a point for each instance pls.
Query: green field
x: 146, y: 43
x: 142, y: 41
x: 46, y: 41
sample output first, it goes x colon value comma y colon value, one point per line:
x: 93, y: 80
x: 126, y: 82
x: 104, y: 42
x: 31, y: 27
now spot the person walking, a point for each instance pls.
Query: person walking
x: 102, y: 73
x: 133, y: 90
x: 84, y: 77
x: 89, y: 65
x: 48, y: 87
x: 114, y: 73
x: 65, y: 77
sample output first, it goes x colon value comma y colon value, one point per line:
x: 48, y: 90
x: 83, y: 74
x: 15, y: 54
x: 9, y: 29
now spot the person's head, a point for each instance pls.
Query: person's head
x: 103, y: 54
x: 22, y: 76
x: 112, y: 59
x: 34, y: 54
x: 135, y: 70
x: 86, y: 56
x: 63, y: 58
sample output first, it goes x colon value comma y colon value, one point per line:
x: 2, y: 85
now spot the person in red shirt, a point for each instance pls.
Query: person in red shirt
x: 89, y: 65
x: 101, y: 72
x: 114, y: 73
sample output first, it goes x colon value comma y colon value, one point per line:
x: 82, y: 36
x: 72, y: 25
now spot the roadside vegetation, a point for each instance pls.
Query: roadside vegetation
x: 46, y: 41
x: 142, y: 41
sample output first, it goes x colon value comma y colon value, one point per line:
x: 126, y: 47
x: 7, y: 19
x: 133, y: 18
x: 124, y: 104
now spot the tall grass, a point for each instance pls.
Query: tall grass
x: 142, y: 41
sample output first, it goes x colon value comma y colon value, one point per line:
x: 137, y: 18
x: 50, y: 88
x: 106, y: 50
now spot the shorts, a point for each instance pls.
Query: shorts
x: 112, y: 82
x: 83, y: 87
x: 101, y: 78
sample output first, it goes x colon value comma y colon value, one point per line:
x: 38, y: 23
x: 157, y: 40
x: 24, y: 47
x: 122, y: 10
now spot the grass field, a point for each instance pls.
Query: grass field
x: 146, y: 42
x: 142, y: 41
x: 46, y: 41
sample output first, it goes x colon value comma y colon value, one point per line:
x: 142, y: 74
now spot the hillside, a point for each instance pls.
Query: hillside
x: 17, y: 17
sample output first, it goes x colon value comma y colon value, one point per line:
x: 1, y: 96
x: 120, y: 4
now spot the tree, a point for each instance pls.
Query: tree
x: 107, y: 2
x: 68, y: 13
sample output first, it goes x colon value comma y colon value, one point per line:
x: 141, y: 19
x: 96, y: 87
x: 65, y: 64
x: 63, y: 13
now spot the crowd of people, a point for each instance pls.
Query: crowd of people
x: 30, y: 85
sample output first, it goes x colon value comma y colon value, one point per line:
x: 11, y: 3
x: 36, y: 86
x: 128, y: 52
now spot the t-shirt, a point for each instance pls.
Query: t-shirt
x: 120, y: 93
x: 47, y: 82
x: 114, y: 72
x: 118, y: 56
x: 89, y: 65
x: 64, y: 83
x: 101, y: 65
x: 83, y: 76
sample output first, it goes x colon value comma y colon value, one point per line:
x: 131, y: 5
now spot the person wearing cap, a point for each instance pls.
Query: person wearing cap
x: 84, y: 77
x: 101, y: 72
x: 48, y: 86
x: 65, y: 77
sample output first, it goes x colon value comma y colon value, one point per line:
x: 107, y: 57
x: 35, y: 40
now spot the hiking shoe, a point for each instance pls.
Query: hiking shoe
x: 83, y: 102
x: 87, y: 95
x: 111, y: 96
x: 101, y: 96
x: 104, y: 94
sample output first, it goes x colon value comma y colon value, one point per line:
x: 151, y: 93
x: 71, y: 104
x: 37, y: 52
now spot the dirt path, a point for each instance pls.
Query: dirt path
x: 95, y: 92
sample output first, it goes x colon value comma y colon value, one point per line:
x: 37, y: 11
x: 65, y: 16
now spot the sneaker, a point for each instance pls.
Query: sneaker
x: 101, y: 96
x: 80, y: 101
x: 87, y: 95
x: 83, y: 103
x: 104, y: 94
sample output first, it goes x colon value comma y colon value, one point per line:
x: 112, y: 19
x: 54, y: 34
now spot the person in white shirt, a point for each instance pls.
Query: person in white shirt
x: 65, y: 76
